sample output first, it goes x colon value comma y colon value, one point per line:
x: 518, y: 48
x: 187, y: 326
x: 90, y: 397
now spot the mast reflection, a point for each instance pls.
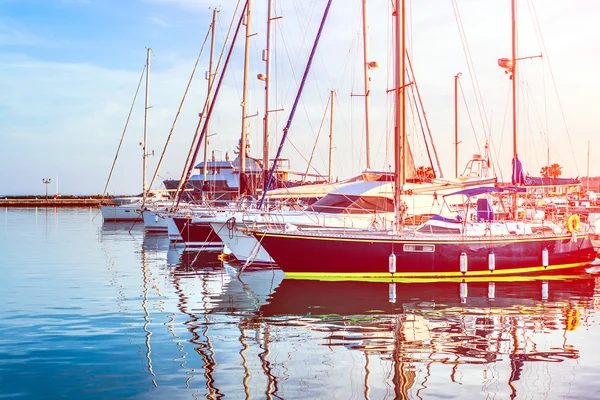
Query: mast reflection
x: 415, y: 326
x: 204, y: 266
x: 380, y: 339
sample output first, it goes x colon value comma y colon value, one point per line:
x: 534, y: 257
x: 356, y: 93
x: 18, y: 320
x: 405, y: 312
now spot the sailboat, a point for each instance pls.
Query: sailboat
x: 238, y: 178
x: 127, y: 208
x: 361, y: 202
x: 441, y: 247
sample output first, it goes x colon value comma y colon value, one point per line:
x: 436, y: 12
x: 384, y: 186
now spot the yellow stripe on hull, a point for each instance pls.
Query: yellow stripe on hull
x: 513, y: 274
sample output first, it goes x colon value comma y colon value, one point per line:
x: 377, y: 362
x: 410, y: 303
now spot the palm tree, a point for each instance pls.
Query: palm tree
x: 425, y: 172
x: 552, y: 171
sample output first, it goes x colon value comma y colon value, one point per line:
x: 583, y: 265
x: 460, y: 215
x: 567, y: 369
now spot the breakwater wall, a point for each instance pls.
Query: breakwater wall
x: 52, y: 202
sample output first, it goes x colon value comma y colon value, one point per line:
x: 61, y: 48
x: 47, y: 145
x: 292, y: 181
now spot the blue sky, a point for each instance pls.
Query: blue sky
x: 69, y: 70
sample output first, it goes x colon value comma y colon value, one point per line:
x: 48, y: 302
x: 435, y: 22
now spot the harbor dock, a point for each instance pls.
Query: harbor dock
x: 80, y: 201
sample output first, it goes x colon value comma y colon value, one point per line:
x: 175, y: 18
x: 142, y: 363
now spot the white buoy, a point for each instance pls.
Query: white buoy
x: 392, y: 263
x: 392, y: 292
x: 545, y: 290
x: 491, y: 290
x: 463, y: 262
x: 492, y: 261
x: 463, y: 292
x: 545, y: 257
x: 156, y: 219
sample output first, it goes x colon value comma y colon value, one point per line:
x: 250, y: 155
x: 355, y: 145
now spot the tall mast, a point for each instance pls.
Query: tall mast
x: 245, y: 95
x: 587, y: 174
x: 144, y: 143
x: 456, y: 124
x: 210, y: 81
x: 267, y: 78
x: 366, y: 84
x: 514, y: 91
x: 514, y: 73
x: 331, y: 133
x: 400, y: 123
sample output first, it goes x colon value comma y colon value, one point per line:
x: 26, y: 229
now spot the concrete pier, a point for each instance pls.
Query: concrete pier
x: 52, y: 202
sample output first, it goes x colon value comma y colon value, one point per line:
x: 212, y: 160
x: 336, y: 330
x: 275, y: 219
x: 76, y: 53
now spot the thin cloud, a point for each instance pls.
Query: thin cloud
x: 197, y: 4
x: 13, y: 36
x: 76, y: 2
x: 160, y: 22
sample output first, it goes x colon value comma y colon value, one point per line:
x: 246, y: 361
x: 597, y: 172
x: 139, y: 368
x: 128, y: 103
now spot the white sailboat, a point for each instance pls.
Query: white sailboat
x: 128, y: 208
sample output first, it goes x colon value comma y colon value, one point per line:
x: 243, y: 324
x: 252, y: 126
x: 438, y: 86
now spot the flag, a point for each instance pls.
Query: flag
x: 518, y: 177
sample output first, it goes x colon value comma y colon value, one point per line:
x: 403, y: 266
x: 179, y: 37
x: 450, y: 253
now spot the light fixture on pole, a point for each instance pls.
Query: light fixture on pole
x: 46, y: 181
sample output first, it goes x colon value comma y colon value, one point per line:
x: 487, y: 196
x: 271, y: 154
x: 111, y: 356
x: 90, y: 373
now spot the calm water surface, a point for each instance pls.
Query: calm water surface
x: 94, y: 310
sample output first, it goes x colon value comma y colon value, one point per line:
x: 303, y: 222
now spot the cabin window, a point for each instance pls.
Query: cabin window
x: 419, y: 248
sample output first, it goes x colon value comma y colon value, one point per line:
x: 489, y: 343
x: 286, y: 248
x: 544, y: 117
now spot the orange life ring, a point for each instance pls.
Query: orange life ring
x: 573, y: 223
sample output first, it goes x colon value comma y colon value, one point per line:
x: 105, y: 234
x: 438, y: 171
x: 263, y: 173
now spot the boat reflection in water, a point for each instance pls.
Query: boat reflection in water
x: 254, y: 334
x: 420, y: 339
x: 212, y: 297
x: 239, y: 293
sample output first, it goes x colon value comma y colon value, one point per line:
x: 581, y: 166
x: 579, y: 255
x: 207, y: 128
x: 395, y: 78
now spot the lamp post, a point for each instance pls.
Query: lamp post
x: 46, y: 182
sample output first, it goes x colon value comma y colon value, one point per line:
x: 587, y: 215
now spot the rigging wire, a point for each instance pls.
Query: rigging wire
x: 508, y: 94
x: 529, y: 102
x: 298, y: 94
x: 357, y: 148
x: 304, y: 34
x: 197, y: 135
x: 415, y: 88
x: 471, y: 67
x: 469, y: 115
x: 309, y: 165
x: 546, y: 127
x: 179, y: 109
x: 477, y: 91
x: 538, y: 29
x: 124, y: 130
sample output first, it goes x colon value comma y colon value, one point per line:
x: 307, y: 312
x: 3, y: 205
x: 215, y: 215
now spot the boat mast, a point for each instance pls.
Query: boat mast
x: 366, y: 84
x: 288, y: 124
x: 331, y: 135
x: 514, y: 91
x: 185, y: 177
x: 144, y: 143
x: 243, y: 139
x: 210, y: 81
x: 456, y: 77
x: 587, y: 174
x: 514, y: 73
x: 400, y: 123
x: 267, y: 78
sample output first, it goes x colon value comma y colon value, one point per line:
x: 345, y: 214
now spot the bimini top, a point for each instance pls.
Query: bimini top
x: 362, y: 197
x: 485, y: 189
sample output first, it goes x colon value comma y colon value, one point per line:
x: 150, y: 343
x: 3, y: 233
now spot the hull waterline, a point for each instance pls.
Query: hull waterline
x: 123, y: 213
x: 243, y: 245
x: 354, y: 257
x: 197, y: 234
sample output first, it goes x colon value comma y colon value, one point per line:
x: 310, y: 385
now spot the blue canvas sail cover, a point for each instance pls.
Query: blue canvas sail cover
x: 476, y: 191
x: 485, y: 189
x: 518, y: 177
